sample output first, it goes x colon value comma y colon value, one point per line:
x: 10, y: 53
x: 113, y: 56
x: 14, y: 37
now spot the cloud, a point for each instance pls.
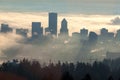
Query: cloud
x: 115, y: 21
x: 9, y: 45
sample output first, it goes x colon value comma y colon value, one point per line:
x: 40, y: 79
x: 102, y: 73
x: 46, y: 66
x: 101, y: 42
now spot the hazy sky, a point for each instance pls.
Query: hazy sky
x: 62, y: 6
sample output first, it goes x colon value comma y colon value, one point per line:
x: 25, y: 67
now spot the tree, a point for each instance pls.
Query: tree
x: 87, y: 77
x: 67, y: 76
x: 110, y: 78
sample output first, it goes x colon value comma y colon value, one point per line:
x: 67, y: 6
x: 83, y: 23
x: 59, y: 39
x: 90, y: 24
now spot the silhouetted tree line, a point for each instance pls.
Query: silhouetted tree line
x: 33, y: 70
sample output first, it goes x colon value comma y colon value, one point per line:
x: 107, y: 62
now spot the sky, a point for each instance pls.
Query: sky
x: 62, y: 6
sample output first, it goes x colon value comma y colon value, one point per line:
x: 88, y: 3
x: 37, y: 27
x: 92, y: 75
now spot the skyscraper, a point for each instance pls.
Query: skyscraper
x: 5, y: 28
x: 84, y: 34
x: 64, y: 29
x: 93, y: 37
x: 53, y: 23
x: 37, y: 30
x: 117, y: 37
x: 103, y: 34
x: 22, y: 32
x: 103, y: 31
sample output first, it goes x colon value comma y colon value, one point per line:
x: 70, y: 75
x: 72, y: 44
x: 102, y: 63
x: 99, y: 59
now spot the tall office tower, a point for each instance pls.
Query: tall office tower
x: 53, y: 23
x: 5, y: 28
x: 64, y: 29
x: 103, y: 34
x: 22, y: 32
x: 117, y: 37
x: 93, y: 37
x: 76, y: 36
x: 103, y: 31
x: 37, y: 30
x: 84, y: 34
x: 110, y: 36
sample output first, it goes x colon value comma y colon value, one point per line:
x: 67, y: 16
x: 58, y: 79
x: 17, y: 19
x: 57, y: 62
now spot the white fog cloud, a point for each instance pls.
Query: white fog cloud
x: 115, y: 21
x: 9, y: 42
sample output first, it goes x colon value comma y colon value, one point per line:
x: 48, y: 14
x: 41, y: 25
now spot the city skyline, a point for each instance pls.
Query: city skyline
x: 91, y: 22
x: 55, y: 29
x: 37, y: 30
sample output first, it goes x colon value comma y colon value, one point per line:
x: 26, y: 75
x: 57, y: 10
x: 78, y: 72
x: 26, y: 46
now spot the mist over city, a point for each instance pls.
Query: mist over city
x: 59, y: 40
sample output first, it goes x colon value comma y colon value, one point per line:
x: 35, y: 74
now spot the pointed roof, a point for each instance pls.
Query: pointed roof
x: 64, y: 20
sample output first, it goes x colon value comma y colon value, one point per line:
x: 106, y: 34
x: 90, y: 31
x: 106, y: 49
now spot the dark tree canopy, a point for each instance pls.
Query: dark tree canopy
x: 33, y: 70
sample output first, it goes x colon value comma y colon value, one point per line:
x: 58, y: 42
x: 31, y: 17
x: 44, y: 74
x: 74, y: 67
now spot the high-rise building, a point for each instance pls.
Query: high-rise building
x: 53, y: 23
x: 117, y: 37
x: 84, y: 34
x: 22, y: 32
x: 110, y: 36
x: 103, y: 34
x: 93, y: 37
x: 37, y: 30
x: 76, y: 36
x: 64, y: 29
x: 104, y: 31
x: 5, y: 28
